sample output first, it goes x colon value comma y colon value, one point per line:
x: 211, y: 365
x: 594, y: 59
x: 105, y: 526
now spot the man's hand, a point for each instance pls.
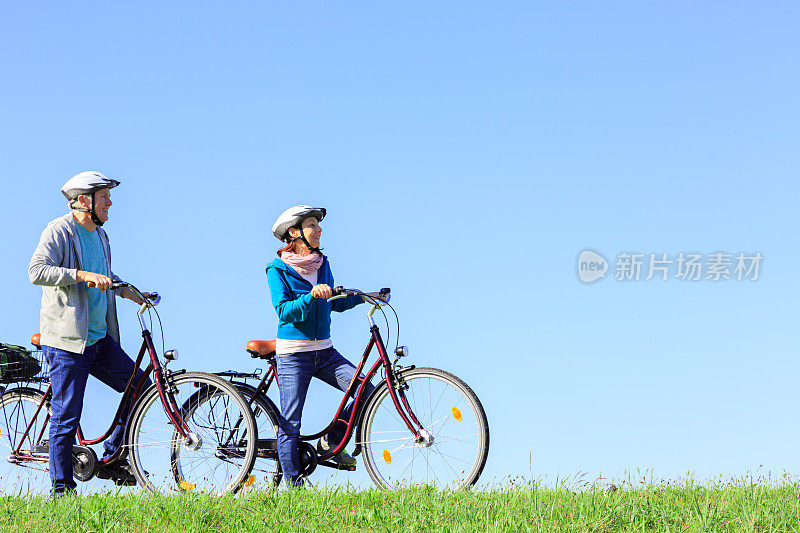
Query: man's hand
x: 94, y: 280
x: 321, y: 291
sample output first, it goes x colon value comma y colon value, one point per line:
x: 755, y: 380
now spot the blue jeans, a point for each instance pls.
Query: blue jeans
x: 294, y: 375
x: 69, y: 372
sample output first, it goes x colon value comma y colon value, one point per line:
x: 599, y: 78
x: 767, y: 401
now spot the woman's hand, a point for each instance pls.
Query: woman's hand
x: 321, y: 291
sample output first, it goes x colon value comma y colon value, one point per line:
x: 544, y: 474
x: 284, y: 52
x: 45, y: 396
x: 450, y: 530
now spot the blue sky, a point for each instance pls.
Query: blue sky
x: 466, y: 155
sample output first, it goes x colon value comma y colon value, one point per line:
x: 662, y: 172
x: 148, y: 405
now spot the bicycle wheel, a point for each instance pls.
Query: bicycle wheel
x: 455, y: 453
x: 221, y: 452
x: 267, y: 468
x: 18, y: 410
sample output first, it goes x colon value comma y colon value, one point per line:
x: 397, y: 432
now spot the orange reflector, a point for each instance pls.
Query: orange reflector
x: 250, y: 481
x: 456, y: 414
x: 387, y: 457
x: 185, y: 485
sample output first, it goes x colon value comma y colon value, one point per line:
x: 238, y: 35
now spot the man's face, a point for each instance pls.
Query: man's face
x: 102, y: 203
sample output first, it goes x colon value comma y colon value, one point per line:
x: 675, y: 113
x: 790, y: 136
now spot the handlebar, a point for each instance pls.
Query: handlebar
x: 375, y: 301
x: 340, y: 292
x: 151, y: 300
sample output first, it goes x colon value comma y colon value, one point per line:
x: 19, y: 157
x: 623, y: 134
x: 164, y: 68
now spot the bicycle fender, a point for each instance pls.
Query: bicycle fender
x: 20, y: 390
x: 360, y: 419
x: 368, y: 399
x: 247, y: 391
x: 145, y: 393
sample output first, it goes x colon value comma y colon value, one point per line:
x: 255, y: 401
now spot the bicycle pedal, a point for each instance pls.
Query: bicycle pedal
x: 337, y: 466
x: 43, y: 447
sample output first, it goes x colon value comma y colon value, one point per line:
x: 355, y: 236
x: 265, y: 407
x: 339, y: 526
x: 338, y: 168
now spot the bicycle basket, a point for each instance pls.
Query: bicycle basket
x: 20, y: 364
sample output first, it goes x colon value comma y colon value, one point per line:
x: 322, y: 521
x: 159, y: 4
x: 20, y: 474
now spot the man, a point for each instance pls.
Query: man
x: 78, y: 320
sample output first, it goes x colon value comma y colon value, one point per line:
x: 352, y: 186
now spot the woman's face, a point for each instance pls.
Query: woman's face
x: 311, y: 231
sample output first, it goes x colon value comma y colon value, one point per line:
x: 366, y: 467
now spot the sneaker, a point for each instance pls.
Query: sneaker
x: 120, y: 472
x: 61, y: 493
x: 343, y: 458
x: 299, y: 483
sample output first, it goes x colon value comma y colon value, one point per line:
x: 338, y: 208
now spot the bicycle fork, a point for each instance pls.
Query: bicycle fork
x: 190, y: 439
x: 397, y: 387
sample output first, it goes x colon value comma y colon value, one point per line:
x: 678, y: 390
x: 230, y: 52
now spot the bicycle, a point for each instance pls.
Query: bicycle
x: 178, y: 436
x: 419, y: 425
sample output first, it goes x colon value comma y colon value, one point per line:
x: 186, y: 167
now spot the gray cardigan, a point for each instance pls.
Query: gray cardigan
x: 64, y: 318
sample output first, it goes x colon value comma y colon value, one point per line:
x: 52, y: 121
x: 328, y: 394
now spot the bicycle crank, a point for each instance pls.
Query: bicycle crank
x: 84, y: 463
x: 308, y: 458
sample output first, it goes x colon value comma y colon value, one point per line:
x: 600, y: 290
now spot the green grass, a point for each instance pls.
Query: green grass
x: 739, y: 505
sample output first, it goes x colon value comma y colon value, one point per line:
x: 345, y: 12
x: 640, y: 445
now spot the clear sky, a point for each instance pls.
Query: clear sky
x: 466, y: 154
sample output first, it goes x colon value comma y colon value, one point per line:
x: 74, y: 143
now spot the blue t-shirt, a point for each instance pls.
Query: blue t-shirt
x: 94, y: 260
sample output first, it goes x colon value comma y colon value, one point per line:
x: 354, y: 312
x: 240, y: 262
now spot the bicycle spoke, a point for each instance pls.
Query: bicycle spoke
x: 452, y: 449
x: 447, y: 463
x: 457, y: 439
x: 385, y: 440
x: 204, y: 461
x: 27, y: 476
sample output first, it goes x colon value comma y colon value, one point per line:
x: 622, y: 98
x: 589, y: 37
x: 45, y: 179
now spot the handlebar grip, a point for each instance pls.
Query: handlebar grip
x: 119, y: 284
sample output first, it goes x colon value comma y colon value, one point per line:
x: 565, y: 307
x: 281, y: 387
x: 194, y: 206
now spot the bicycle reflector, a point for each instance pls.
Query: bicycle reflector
x: 250, y: 481
x: 185, y: 485
x: 457, y: 414
x: 387, y: 457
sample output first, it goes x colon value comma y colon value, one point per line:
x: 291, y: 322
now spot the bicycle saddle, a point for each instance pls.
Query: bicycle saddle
x: 261, y: 349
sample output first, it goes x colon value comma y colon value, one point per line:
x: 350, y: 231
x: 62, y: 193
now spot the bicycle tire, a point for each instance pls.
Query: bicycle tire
x: 449, y: 409
x: 25, y: 477
x: 214, y: 411
x: 265, y: 413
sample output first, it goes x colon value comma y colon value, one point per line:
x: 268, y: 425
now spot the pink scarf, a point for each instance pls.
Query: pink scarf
x: 304, y: 264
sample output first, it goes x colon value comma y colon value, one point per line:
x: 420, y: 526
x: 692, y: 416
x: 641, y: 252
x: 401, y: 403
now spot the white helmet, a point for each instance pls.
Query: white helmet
x: 86, y: 183
x: 292, y: 217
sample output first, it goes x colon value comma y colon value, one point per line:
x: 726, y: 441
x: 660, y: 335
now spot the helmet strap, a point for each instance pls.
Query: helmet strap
x: 95, y: 218
x: 305, y: 241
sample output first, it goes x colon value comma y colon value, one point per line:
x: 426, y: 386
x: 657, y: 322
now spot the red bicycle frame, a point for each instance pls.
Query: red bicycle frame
x: 131, y: 394
x: 396, y: 391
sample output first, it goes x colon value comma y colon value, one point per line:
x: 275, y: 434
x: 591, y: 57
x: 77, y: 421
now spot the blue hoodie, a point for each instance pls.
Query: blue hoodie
x: 300, y: 315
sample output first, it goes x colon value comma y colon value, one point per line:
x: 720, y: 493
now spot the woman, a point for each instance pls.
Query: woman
x: 300, y: 282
